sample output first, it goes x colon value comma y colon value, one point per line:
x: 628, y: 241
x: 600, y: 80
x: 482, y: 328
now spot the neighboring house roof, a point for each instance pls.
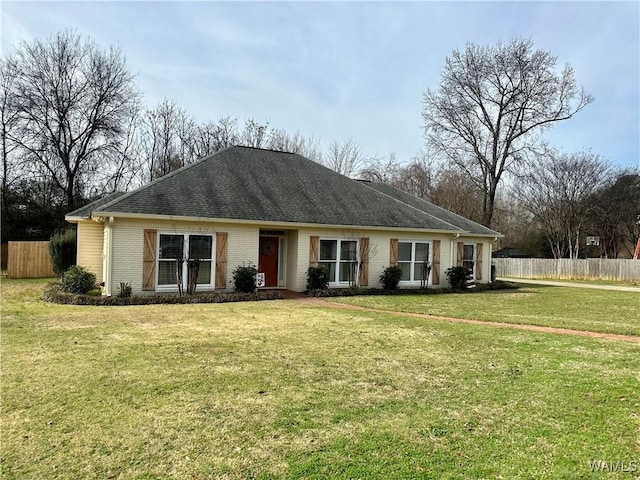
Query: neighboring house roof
x: 431, y: 209
x: 244, y: 183
x: 510, y: 252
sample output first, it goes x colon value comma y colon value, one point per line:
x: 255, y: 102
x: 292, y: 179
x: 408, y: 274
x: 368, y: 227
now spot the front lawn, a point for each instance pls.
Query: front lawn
x: 594, y: 310
x: 285, y: 389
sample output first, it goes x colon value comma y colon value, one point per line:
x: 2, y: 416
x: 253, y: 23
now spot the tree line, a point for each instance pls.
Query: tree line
x: 74, y: 127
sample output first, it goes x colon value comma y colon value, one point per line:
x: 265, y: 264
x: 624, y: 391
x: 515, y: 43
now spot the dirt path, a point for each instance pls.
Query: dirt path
x: 321, y: 302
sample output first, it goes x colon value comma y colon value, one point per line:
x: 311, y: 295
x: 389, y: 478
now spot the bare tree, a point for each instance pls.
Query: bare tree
x: 308, y: 147
x: 558, y: 195
x: 614, y: 214
x: 211, y: 137
x: 168, y: 139
x: 74, y: 101
x: 491, y: 107
x: 419, y: 177
x: 343, y: 157
x: 456, y: 192
x: 255, y: 134
x: 125, y: 165
x: 9, y: 123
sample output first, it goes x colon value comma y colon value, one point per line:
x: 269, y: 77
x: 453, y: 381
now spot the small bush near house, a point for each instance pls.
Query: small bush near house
x: 125, y: 290
x: 78, y: 280
x: 244, y: 278
x: 317, y: 278
x: 390, y: 277
x: 62, y: 250
x: 457, y: 277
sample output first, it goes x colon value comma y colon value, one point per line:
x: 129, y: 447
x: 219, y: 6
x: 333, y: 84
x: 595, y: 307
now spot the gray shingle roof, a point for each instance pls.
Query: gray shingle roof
x: 427, y: 207
x: 85, y: 212
x: 264, y: 185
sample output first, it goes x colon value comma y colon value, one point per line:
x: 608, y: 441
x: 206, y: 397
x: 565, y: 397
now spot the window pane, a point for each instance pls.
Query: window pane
x: 347, y: 271
x: 331, y: 268
x: 204, y: 273
x: 328, y: 249
x: 406, y: 271
x: 468, y: 252
x: 404, y: 251
x: 422, y: 252
x: 167, y: 273
x: 171, y: 246
x: 348, y: 250
x: 200, y: 246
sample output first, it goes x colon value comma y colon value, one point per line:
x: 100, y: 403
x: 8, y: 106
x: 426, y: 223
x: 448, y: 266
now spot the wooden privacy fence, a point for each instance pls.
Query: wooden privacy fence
x: 584, y: 269
x: 29, y: 260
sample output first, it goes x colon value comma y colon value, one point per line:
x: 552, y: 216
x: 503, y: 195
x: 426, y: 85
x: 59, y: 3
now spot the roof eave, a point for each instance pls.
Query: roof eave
x: 145, y: 216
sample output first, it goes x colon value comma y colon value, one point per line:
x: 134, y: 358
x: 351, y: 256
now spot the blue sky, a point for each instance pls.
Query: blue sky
x: 358, y: 69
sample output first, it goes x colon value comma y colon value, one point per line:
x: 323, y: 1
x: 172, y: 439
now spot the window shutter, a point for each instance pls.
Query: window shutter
x: 149, y: 260
x: 221, y: 260
x: 435, y: 271
x: 393, y: 260
x: 364, y: 262
x: 460, y: 253
x: 479, y: 261
x: 314, y: 248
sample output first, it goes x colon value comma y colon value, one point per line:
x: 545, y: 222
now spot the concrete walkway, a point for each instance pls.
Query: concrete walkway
x: 570, y: 284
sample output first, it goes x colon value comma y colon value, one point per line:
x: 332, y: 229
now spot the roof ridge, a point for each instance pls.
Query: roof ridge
x: 263, y: 149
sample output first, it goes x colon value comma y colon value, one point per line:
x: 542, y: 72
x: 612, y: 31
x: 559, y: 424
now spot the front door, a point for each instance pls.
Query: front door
x: 268, y: 263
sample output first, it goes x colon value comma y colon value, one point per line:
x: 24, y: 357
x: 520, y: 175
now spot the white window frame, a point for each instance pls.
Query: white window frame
x: 185, y: 238
x: 474, y: 259
x: 335, y: 282
x: 412, y: 263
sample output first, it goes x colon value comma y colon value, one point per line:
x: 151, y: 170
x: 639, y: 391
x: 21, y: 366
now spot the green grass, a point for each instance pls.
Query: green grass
x: 594, y: 310
x: 288, y: 390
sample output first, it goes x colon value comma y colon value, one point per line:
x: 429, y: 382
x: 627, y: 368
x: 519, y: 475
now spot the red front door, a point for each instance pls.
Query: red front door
x: 269, y: 260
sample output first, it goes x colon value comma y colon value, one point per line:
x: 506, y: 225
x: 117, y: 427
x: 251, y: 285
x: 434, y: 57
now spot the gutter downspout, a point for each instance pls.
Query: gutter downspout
x: 106, y: 256
x: 492, y: 267
x: 452, y: 250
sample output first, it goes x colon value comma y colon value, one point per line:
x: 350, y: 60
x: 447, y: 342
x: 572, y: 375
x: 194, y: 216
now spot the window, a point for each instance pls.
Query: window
x: 340, y: 258
x: 413, y: 259
x: 200, y: 248
x: 468, y: 256
x: 173, y: 246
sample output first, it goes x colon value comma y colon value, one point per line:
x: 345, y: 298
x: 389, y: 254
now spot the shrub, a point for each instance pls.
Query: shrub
x: 62, y: 250
x: 54, y: 293
x: 390, y: 277
x: 78, y: 280
x: 125, y: 290
x: 457, y: 277
x: 244, y: 278
x: 317, y: 278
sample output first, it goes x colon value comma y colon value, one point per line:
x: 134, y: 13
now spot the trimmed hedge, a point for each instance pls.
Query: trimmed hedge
x: 244, y: 278
x: 352, y: 292
x: 55, y: 294
x: 62, y: 250
x: 390, y: 277
x: 78, y: 280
